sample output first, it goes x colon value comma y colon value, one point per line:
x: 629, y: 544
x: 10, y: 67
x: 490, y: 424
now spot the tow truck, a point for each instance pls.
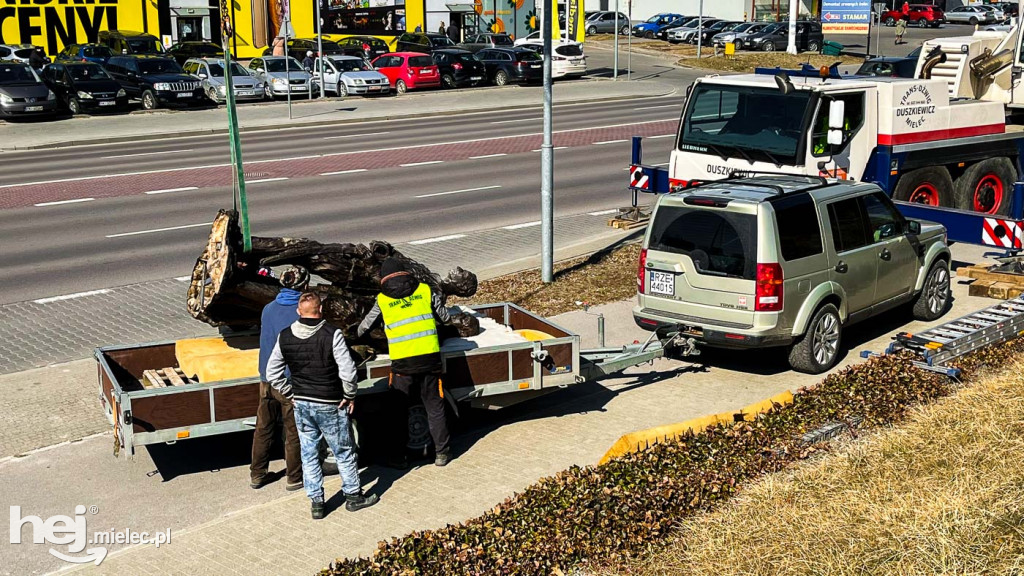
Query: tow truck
x: 943, y: 145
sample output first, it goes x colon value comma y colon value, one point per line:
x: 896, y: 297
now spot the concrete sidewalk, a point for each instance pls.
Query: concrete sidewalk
x: 159, y: 124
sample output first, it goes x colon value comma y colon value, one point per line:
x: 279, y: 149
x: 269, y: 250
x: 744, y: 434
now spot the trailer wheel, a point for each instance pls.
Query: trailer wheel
x: 932, y: 186
x: 986, y: 187
x: 419, y: 429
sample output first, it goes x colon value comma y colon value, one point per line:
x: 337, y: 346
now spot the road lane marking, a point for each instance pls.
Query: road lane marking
x: 517, y: 120
x: 457, y: 191
x: 167, y: 190
x: 184, y: 278
x: 158, y: 230
x: 660, y: 136
x: 328, y: 155
x: 554, y: 148
x: 412, y: 164
x: 655, y: 107
x: 353, y: 171
x: 355, y: 135
x: 488, y: 156
x: 59, y: 202
x: 603, y: 212
x: 524, y: 225
x: 438, y: 239
x: 146, y: 154
x: 262, y: 180
x: 609, y: 142
x: 70, y: 296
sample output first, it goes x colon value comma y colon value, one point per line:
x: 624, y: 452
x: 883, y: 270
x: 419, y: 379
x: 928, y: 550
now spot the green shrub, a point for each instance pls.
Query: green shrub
x: 617, y: 510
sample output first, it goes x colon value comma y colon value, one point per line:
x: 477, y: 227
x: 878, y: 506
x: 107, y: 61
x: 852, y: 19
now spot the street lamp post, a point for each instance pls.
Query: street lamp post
x: 615, y: 73
x: 547, y: 156
x: 319, y: 49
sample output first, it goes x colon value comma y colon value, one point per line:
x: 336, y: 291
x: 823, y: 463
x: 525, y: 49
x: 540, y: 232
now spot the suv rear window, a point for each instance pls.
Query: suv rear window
x: 719, y: 242
x: 797, y: 223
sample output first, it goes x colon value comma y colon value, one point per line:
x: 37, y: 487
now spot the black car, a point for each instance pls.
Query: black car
x: 130, y: 42
x: 424, y: 42
x: 895, y: 67
x: 809, y: 37
x: 84, y: 86
x: 708, y: 32
x: 156, y: 80
x: 182, y: 51
x: 458, y: 67
x: 298, y: 47
x: 96, y: 53
x: 23, y: 92
x: 367, y: 47
x: 517, y: 64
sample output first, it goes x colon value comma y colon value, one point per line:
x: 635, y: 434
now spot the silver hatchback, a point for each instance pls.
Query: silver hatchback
x: 211, y: 72
x: 785, y: 261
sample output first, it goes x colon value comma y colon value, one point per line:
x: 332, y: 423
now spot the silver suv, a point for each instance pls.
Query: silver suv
x: 752, y: 262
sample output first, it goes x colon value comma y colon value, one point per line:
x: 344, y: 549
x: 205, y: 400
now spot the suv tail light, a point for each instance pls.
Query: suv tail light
x: 768, y: 294
x: 640, y: 271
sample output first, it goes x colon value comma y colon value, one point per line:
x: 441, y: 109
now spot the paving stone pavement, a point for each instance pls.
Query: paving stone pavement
x: 38, y: 333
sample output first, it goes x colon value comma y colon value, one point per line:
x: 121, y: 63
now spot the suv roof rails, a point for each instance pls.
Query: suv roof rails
x: 745, y: 173
x: 775, y: 187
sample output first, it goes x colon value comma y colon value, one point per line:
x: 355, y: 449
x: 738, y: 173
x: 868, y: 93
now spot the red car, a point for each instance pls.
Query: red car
x: 922, y: 15
x: 408, y: 70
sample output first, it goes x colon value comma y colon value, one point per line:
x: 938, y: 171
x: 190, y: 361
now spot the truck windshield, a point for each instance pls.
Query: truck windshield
x: 744, y: 121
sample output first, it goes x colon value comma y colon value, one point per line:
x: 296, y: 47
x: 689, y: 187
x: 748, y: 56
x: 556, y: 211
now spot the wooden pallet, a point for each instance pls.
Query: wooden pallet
x: 990, y: 284
x: 164, y: 377
x: 626, y: 224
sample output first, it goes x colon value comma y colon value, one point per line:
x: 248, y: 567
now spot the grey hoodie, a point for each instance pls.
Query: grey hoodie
x: 304, y: 331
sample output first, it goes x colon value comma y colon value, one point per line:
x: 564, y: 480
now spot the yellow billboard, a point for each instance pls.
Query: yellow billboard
x: 54, y: 24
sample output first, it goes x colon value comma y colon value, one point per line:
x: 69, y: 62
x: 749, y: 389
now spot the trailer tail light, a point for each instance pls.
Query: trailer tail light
x: 640, y: 271
x: 768, y: 295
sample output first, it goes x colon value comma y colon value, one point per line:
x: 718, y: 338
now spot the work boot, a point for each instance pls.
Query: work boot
x: 318, y: 508
x: 292, y: 487
x: 442, y: 458
x: 257, y: 483
x: 358, y: 501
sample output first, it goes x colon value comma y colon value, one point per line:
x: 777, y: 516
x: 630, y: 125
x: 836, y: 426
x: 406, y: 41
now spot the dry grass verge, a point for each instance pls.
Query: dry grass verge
x: 941, y: 494
x: 597, y: 279
x: 747, y: 61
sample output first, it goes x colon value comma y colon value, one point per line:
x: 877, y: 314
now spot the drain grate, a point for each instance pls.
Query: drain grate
x: 254, y: 175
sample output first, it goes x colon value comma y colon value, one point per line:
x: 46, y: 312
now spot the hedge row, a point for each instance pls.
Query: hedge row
x: 617, y: 510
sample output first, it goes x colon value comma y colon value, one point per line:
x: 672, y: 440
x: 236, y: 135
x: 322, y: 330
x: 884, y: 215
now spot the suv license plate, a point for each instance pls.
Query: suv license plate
x: 184, y: 94
x: 663, y: 283
x: 33, y: 108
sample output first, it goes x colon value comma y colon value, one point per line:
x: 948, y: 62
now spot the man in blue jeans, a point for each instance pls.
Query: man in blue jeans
x: 322, y: 388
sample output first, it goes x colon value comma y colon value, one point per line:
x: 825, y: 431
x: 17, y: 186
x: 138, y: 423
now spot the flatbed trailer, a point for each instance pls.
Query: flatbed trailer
x: 490, y: 377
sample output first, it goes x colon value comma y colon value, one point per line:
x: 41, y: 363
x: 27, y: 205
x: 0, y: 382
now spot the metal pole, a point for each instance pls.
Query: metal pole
x: 238, y: 172
x: 867, y: 52
x: 287, y: 70
x: 319, y: 50
x: 794, y: 8
x: 700, y: 28
x: 615, y: 73
x: 629, y: 43
x: 547, y: 156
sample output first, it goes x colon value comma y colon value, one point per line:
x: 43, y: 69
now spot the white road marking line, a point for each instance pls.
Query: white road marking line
x: 353, y: 171
x: 609, y: 142
x: 165, y: 191
x: 355, y: 135
x: 262, y: 180
x: 603, y: 212
x: 524, y: 225
x: 412, y: 164
x: 554, y: 148
x: 458, y: 191
x: 660, y: 136
x: 59, y: 202
x: 158, y: 230
x: 517, y: 120
x: 70, y: 296
x: 438, y: 239
x: 330, y: 155
x: 655, y: 107
x: 147, y: 153
x: 184, y: 278
x: 487, y: 156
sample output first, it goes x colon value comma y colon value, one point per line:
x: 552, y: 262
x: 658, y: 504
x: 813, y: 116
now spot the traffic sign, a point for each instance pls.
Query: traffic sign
x: 845, y: 16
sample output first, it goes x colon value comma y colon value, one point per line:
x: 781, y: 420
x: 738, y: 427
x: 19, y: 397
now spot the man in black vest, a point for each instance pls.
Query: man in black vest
x: 322, y: 388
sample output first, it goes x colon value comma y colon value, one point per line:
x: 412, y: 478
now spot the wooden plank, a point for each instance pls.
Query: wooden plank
x: 150, y: 379
x: 172, y: 409
x: 980, y: 288
x: 972, y: 271
x: 1000, y: 290
x: 173, y: 377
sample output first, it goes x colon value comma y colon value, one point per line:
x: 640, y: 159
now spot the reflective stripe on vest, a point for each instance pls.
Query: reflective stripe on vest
x: 409, y: 324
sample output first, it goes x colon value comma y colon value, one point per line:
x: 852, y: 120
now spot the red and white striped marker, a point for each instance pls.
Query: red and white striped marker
x: 638, y: 177
x: 1004, y: 233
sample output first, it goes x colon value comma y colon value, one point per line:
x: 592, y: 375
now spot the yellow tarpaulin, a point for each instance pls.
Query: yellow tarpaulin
x: 214, y: 359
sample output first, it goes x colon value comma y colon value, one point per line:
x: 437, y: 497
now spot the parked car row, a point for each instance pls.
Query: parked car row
x: 711, y: 31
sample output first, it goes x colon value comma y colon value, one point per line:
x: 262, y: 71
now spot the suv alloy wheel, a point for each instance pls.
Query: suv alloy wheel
x: 818, y: 349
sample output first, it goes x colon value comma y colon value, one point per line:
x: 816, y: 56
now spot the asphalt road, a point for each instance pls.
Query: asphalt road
x: 422, y: 178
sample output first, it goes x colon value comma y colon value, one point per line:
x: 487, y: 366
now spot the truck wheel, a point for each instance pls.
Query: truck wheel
x: 818, y: 349
x: 932, y: 186
x: 148, y: 100
x: 934, y: 299
x: 986, y: 187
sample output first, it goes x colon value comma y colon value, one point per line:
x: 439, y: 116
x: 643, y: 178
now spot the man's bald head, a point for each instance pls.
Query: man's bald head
x: 309, y: 305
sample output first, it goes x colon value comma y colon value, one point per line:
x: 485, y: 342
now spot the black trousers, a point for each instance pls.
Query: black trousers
x: 404, y: 388
x: 275, y: 409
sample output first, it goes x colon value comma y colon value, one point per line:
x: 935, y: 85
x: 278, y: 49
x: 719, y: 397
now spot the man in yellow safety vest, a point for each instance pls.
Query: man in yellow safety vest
x: 411, y: 312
